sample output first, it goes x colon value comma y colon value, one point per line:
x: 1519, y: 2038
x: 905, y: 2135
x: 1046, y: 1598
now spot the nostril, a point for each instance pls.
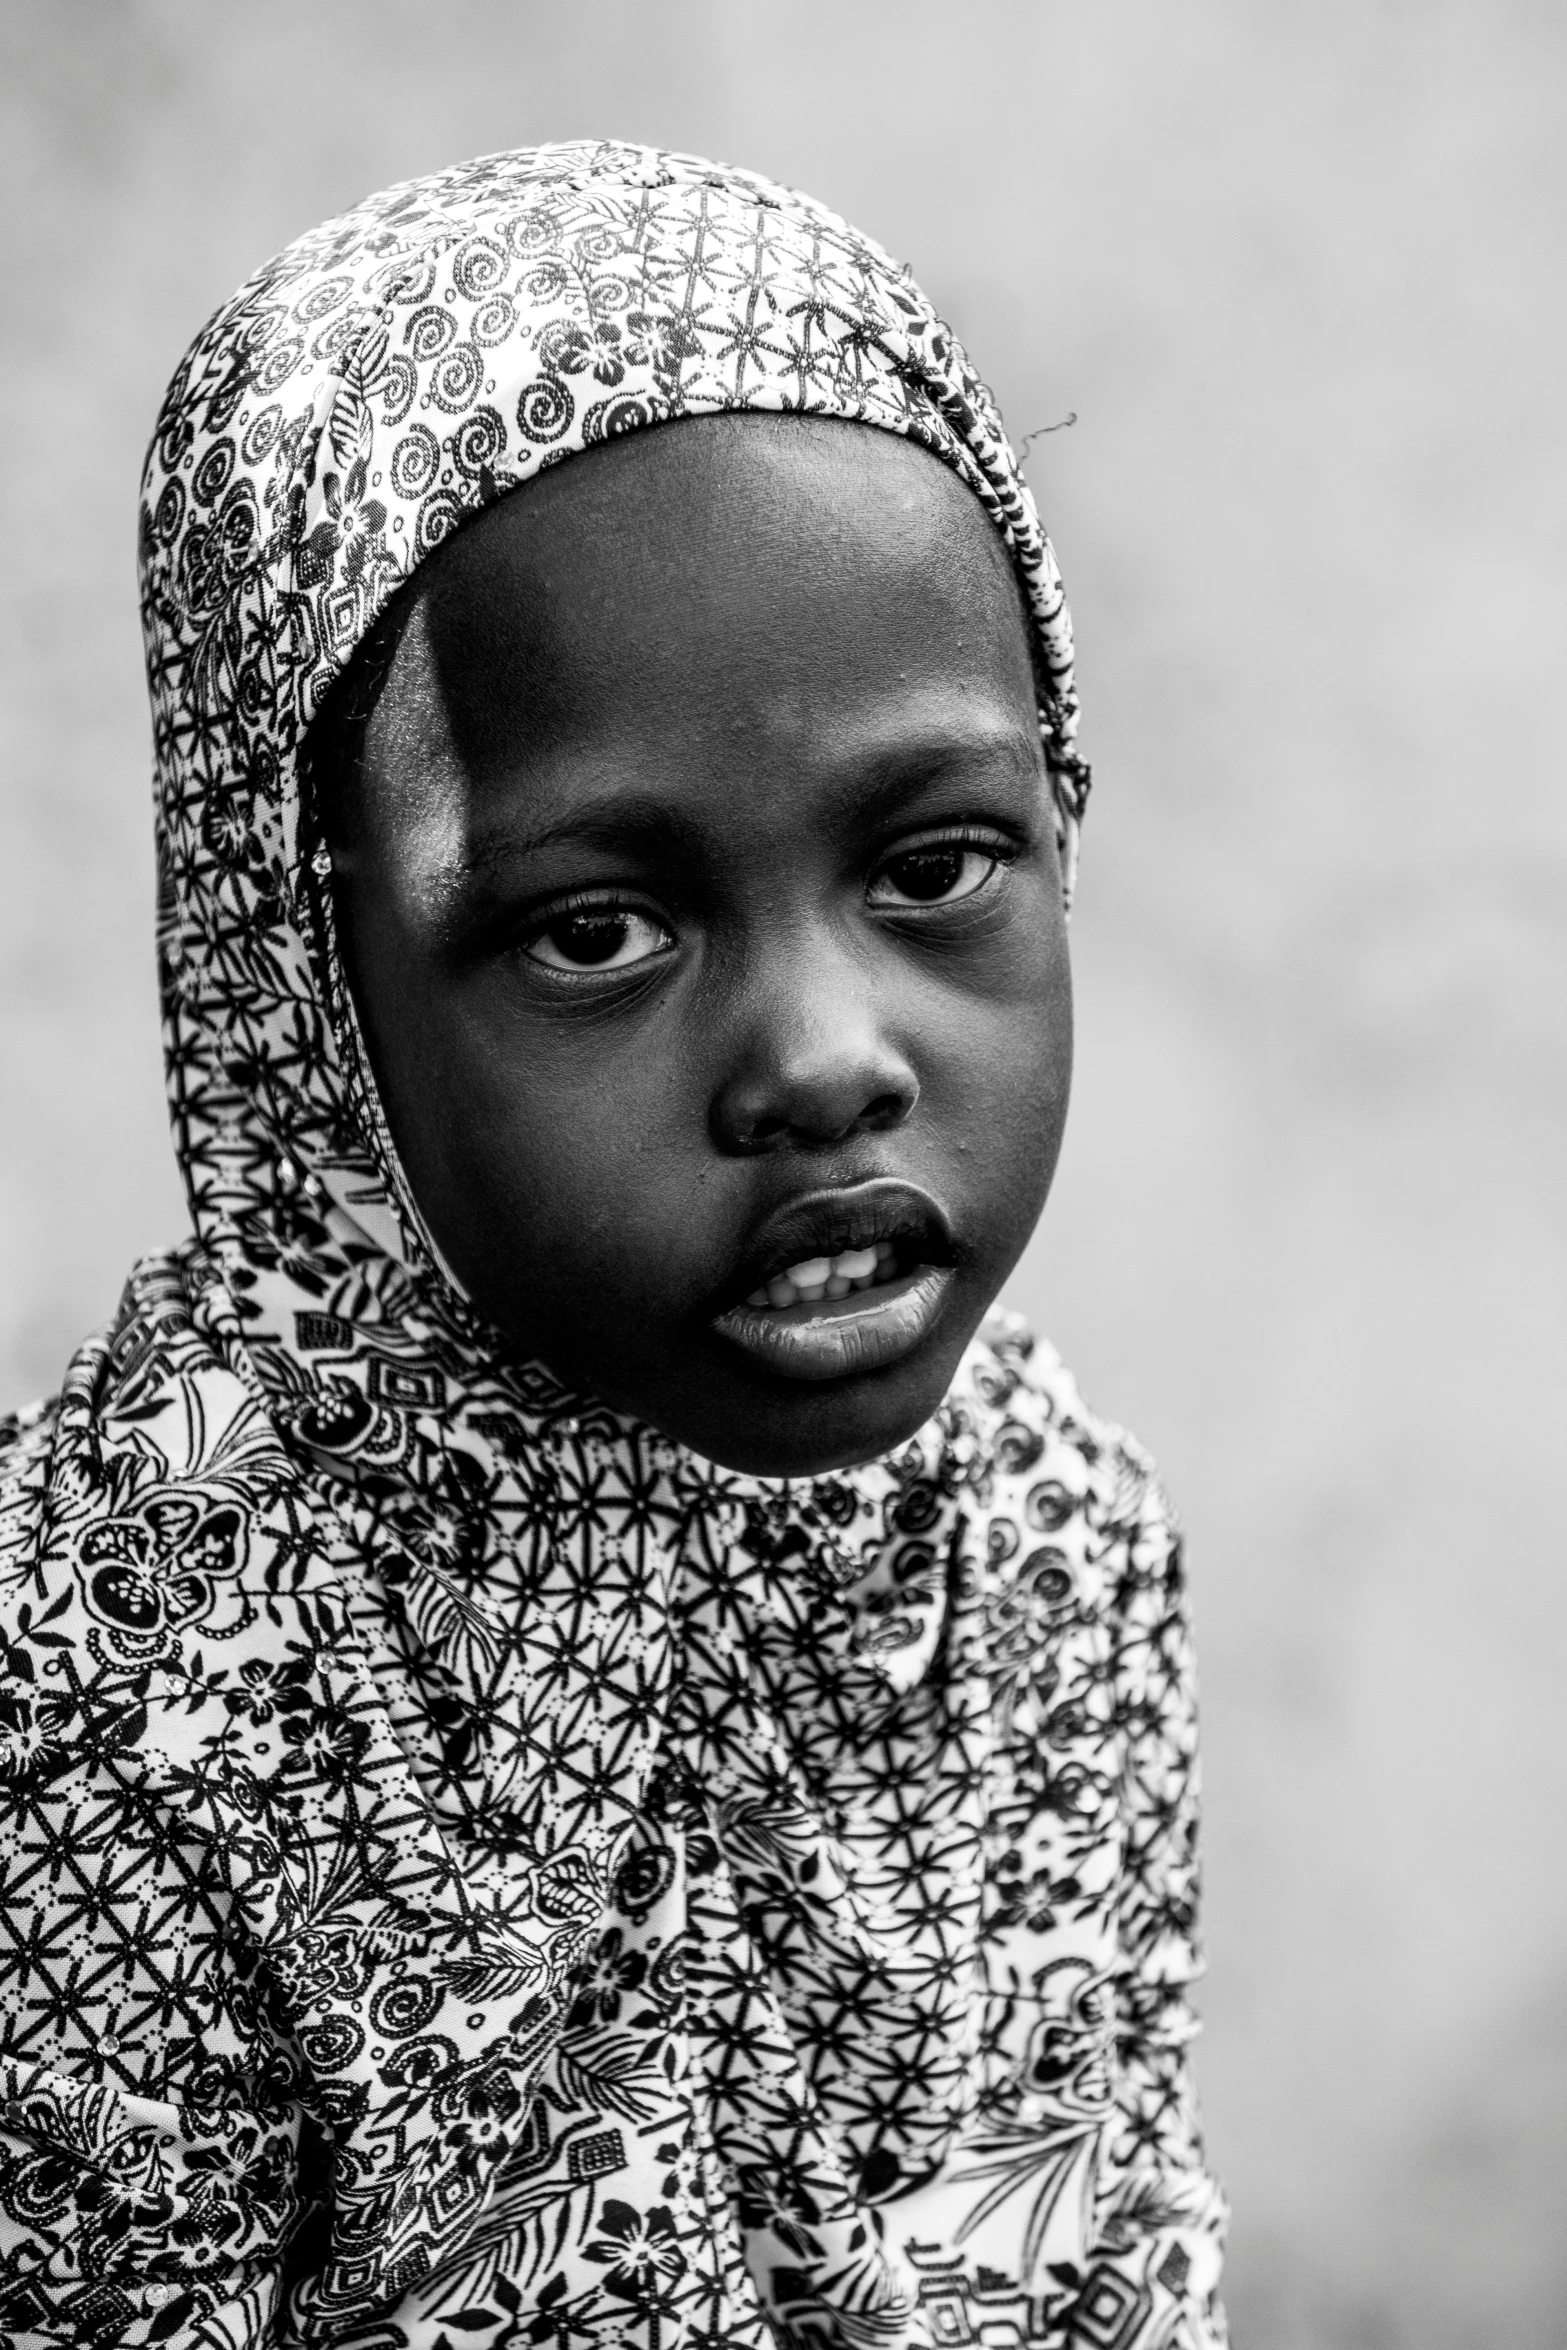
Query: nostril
x: 835, y: 1084
x: 879, y: 1116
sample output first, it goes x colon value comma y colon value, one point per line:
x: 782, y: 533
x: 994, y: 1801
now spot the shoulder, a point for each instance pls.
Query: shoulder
x: 1015, y: 1403
x: 26, y: 1449
x: 126, y: 1497
x: 1046, y: 1467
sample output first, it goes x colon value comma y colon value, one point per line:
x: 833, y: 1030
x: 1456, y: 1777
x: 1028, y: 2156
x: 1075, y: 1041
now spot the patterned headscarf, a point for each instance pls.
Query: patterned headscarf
x: 535, y: 1880
x: 387, y: 376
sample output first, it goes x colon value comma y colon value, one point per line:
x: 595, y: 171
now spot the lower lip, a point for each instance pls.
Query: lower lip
x: 840, y: 1340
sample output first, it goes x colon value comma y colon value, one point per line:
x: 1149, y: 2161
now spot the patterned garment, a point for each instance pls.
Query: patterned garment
x: 473, y: 1873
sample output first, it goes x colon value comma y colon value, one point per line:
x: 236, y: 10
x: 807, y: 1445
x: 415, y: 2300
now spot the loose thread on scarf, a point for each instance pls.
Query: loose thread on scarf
x: 1061, y: 424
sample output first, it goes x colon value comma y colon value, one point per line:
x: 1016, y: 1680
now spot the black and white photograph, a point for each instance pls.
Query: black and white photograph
x: 783, y: 1340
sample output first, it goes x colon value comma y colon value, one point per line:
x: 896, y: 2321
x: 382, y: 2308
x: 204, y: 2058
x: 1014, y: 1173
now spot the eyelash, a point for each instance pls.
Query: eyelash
x: 967, y: 839
x: 584, y: 905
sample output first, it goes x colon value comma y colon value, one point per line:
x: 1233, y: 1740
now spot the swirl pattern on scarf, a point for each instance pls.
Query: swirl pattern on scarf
x: 473, y: 1873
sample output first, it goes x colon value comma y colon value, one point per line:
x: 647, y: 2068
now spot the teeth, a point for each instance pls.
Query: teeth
x: 855, y: 1264
x: 814, y: 1278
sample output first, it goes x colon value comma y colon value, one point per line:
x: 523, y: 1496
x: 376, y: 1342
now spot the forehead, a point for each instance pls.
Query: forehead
x: 756, y: 597
x: 783, y: 545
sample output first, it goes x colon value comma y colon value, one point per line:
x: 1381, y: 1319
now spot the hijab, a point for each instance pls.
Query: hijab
x: 481, y: 1873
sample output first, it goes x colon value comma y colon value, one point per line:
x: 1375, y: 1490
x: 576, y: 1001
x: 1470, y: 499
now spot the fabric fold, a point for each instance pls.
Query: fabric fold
x: 469, y: 1869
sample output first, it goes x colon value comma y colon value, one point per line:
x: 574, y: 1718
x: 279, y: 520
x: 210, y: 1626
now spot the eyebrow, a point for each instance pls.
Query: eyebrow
x: 888, y: 774
x: 618, y: 822
x: 876, y: 784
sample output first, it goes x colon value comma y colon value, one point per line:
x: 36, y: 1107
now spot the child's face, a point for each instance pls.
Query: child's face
x: 702, y: 907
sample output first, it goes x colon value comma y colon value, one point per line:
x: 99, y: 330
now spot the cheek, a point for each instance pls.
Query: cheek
x: 1001, y: 1044
x: 996, y: 1085
x: 568, y: 1182
x: 551, y: 1157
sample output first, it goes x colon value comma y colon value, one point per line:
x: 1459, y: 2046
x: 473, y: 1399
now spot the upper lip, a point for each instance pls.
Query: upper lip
x: 825, y: 1223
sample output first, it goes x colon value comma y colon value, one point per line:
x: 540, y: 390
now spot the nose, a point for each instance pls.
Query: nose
x: 812, y: 1062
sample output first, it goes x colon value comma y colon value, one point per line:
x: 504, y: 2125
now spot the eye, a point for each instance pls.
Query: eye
x: 937, y: 873
x: 597, y: 938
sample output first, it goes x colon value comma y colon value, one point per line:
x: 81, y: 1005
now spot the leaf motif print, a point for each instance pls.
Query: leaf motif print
x: 472, y: 1871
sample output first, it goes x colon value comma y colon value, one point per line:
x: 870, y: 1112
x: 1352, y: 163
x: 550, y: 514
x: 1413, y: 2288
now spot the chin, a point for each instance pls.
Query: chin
x: 733, y: 1405
x: 790, y: 1429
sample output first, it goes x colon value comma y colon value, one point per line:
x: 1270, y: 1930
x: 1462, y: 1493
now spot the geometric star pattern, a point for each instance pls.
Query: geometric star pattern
x: 471, y: 1873
x: 716, y: 1912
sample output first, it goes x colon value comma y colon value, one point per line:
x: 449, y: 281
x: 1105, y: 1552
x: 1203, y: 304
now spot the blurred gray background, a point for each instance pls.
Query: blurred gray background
x: 1297, y: 271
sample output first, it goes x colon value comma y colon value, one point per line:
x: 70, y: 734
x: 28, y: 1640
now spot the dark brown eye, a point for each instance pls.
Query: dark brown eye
x: 932, y: 876
x: 597, y: 938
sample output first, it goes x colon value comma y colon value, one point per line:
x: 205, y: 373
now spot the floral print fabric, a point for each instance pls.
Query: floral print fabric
x: 473, y: 1873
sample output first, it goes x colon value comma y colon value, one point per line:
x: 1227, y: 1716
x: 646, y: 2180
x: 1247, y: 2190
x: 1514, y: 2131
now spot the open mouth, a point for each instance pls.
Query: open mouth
x: 816, y: 1278
x: 843, y: 1282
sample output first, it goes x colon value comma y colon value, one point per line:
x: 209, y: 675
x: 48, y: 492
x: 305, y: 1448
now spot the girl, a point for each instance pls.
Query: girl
x: 583, y: 1761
